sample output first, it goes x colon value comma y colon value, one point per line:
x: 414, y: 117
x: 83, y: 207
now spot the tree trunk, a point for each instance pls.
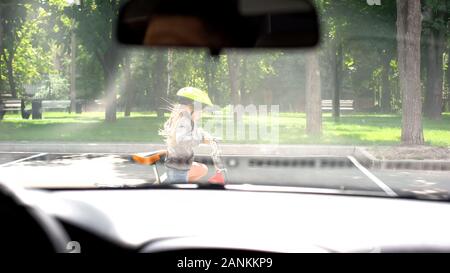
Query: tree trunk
x: 208, y: 72
x: 313, y: 97
x: 243, y: 72
x: 386, y: 89
x: 130, y: 87
x: 233, y: 68
x: 111, y: 100
x: 268, y: 96
x: 446, y: 106
x: 337, y: 80
x: 210, y: 76
x: 110, y: 63
x: 159, y: 75
x: 435, y: 77
x: 73, y: 95
x: 9, y: 67
x: 409, y: 27
x: 169, y: 70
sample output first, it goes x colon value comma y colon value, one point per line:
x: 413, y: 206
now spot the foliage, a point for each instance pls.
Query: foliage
x: 39, y: 32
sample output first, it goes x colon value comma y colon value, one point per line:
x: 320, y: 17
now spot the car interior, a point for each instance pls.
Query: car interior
x: 232, y: 217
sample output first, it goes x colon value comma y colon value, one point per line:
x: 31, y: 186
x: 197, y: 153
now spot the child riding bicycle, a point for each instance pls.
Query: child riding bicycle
x: 182, y: 134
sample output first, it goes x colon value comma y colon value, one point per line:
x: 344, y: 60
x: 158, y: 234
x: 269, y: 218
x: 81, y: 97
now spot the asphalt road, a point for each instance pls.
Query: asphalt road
x: 87, y: 170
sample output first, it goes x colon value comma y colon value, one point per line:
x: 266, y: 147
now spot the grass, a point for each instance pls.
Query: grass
x: 353, y: 129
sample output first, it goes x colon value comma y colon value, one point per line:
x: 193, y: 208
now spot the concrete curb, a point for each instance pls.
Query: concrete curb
x: 119, y: 148
x: 360, y: 153
x: 369, y: 161
x: 129, y: 148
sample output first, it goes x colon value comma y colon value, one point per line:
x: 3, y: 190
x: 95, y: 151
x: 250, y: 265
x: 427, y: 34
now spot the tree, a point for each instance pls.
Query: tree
x: 210, y: 75
x: 95, y: 27
x: 32, y: 37
x: 12, y: 17
x: 386, y: 94
x: 435, y: 24
x: 409, y: 27
x: 159, y: 80
x: 313, y: 96
x: 357, y: 49
x: 130, y: 92
x: 169, y: 71
x: 73, y: 94
x: 233, y: 68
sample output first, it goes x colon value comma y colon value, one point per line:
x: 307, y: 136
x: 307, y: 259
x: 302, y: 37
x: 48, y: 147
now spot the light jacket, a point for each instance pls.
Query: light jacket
x: 187, y: 136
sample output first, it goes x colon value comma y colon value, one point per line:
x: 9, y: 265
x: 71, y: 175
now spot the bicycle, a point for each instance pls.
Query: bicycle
x: 155, y: 157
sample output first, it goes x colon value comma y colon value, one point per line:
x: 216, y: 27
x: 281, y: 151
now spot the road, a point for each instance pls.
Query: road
x: 335, y: 172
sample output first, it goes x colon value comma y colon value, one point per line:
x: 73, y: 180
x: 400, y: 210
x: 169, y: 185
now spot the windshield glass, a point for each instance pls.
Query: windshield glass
x: 368, y: 110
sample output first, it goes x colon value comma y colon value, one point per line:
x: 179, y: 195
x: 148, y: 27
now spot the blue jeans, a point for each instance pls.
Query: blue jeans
x: 175, y: 176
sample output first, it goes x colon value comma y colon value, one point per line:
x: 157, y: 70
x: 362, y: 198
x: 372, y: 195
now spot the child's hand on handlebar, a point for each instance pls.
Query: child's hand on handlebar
x: 207, y: 138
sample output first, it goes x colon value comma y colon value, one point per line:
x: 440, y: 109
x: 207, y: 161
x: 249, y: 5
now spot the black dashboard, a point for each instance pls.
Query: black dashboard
x: 158, y: 220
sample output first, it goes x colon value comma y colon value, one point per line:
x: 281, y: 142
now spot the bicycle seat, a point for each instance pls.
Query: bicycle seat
x: 149, y: 158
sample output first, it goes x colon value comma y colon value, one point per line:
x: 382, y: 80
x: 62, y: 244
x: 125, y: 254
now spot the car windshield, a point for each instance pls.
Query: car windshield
x: 366, y: 111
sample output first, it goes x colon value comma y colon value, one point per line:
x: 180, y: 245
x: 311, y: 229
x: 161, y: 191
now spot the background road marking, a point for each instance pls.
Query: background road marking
x: 22, y: 159
x: 372, y: 177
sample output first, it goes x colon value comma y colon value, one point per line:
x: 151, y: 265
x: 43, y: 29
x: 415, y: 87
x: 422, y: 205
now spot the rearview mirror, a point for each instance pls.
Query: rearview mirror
x: 218, y: 24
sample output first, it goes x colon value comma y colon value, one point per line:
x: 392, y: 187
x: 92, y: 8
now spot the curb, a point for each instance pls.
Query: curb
x: 130, y: 148
x: 360, y: 153
x: 369, y: 161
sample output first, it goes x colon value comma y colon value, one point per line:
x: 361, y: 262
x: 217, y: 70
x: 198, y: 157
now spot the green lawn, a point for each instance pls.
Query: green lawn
x: 361, y: 129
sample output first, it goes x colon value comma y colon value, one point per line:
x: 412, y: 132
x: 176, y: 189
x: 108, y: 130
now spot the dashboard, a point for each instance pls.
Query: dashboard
x: 156, y: 220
